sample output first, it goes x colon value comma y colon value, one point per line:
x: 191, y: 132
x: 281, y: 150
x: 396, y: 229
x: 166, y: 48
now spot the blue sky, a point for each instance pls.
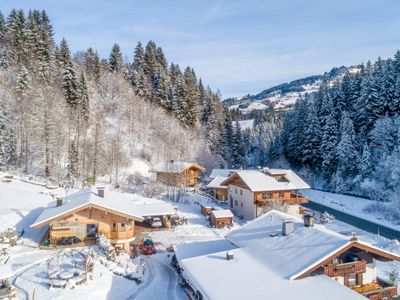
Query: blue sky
x: 238, y: 47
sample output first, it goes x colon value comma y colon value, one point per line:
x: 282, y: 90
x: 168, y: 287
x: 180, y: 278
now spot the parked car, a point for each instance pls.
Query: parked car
x: 148, y: 247
x: 156, y: 222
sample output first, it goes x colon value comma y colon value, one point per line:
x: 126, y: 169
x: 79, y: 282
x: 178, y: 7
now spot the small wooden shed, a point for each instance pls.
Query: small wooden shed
x: 221, y: 218
x: 205, y: 209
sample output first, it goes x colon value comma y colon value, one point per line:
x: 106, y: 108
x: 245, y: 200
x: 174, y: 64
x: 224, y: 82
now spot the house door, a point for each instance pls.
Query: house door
x: 91, y: 230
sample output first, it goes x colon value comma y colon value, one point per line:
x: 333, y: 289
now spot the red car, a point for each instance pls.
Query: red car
x: 148, y: 247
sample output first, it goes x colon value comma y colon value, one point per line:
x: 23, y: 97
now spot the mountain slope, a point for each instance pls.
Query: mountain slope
x: 286, y: 94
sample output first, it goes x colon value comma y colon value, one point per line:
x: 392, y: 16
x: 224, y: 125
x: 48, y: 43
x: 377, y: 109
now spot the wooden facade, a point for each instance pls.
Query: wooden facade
x: 185, y: 178
x: 352, y: 262
x: 84, y: 223
x: 287, y: 197
x: 221, y: 194
x: 220, y: 222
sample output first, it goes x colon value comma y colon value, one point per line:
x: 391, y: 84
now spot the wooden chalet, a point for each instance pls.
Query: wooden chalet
x: 79, y: 217
x: 177, y: 173
x: 300, y: 260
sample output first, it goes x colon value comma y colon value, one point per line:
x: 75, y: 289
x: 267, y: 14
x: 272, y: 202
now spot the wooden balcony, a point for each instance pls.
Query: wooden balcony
x: 384, y: 293
x: 345, y: 269
x: 292, y: 200
x: 376, y: 292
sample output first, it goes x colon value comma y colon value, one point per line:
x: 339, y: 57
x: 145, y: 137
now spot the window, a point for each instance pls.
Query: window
x: 122, y: 226
x: 235, y: 190
x: 281, y: 194
x: 236, y: 203
x: 241, y: 204
x: 114, y: 226
x: 128, y: 226
x: 241, y: 192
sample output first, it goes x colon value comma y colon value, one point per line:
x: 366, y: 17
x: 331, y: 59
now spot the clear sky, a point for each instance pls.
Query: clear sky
x: 236, y: 46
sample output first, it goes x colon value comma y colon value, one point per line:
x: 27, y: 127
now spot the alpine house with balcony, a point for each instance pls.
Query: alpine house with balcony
x: 252, y: 192
x: 277, y: 256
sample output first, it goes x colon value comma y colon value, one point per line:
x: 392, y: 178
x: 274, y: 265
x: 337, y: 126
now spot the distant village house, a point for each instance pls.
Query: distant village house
x: 177, y: 173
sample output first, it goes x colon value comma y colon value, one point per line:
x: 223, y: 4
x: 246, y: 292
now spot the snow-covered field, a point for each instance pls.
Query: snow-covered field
x: 351, y: 205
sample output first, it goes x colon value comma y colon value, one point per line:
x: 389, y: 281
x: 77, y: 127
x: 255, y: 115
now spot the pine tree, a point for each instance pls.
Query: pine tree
x: 347, y: 153
x: 238, y: 148
x: 312, y: 140
x: 366, y: 166
x: 83, y: 96
x: 3, y: 43
x: 16, y: 36
x: 191, y: 97
x: 115, y: 61
x: 226, y: 139
x: 45, y: 48
x: 328, y: 147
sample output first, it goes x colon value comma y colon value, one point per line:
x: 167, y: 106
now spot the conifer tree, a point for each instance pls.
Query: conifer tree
x: 238, y: 149
x: 115, y: 61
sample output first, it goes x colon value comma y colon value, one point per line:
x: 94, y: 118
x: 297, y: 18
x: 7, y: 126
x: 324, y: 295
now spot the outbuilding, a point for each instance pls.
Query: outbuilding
x: 221, y: 218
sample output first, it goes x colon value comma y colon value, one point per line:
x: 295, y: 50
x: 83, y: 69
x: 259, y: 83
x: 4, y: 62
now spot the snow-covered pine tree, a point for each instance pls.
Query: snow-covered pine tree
x: 16, y: 37
x: 115, y: 61
x: 311, y: 144
x: 347, y: 149
x: 328, y: 147
x: 366, y: 166
x: 238, y: 149
x: 191, y: 97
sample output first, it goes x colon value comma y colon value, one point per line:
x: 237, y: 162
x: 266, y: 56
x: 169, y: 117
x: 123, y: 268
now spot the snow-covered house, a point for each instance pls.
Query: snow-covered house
x: 83, y: 214
x: 277, y: 256
x: 251, y: 191
x: 177, y: 173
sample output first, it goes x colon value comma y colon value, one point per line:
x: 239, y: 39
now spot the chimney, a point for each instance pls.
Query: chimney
x: 287, y: 227
x: 59, y: 201
x: 353, y: 237
x: 229, y: 255
x: 100, y: 191
x: 308, y: 220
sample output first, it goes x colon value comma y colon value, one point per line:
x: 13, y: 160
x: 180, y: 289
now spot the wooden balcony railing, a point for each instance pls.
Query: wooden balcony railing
x: 383, y: 293
x: 345, y: 269
x: 289, y: 201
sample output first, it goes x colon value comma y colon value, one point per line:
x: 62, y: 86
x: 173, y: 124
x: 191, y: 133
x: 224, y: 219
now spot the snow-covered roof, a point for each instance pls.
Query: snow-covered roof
x: 221, y: 172
x: 216, y: 183
x: 290, y: 175
x: 191, y: 250
x: 257, y: 181
x: 122, y: 203
x: 174, y: 166
x: 222, y: 213
x: 156, y: 209
x: 246, y: 277
x: 5, y: 271
x: 266, y: 263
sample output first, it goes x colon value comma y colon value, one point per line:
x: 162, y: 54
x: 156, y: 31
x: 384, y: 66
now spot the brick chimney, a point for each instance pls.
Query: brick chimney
x: 100, y: 191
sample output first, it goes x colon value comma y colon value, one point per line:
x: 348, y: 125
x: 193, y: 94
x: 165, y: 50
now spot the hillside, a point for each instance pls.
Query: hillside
x: 286, y: 94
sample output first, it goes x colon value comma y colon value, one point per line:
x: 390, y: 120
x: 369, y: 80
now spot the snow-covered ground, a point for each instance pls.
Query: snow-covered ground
x: 21, y: 203
x: 245, y: 124
x: 352, y: 205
